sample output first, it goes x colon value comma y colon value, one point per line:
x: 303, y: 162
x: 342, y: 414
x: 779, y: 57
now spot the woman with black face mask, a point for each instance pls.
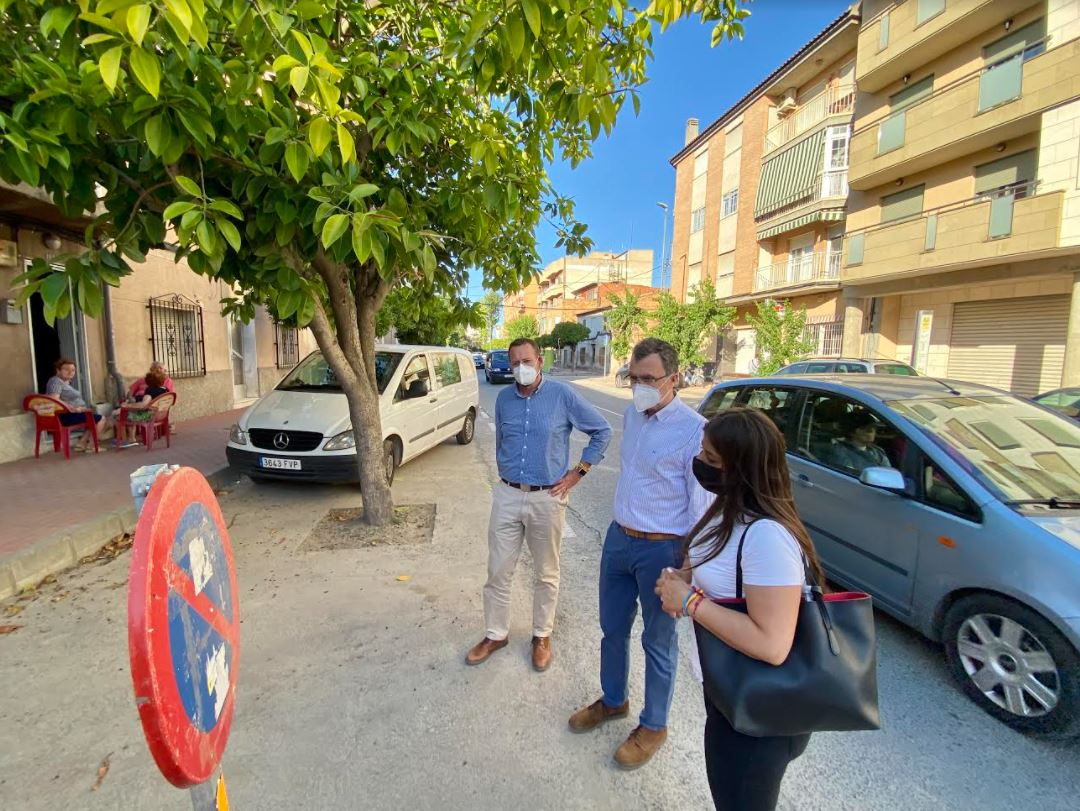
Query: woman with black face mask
x: 742, y: 461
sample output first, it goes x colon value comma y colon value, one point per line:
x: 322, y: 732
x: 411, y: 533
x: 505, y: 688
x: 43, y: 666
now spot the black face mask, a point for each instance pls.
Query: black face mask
x: 709, y: 477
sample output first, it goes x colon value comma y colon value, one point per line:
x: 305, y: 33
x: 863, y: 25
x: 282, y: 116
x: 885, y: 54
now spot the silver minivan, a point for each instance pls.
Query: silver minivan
x: 957, y: 506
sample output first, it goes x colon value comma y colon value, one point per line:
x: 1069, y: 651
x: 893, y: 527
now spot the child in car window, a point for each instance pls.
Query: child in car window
x: 857, y: 451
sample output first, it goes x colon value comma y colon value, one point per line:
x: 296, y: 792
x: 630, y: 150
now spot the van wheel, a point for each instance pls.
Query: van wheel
x: 391, y: 460
x: 1014, y: 664
x: 468, y: 430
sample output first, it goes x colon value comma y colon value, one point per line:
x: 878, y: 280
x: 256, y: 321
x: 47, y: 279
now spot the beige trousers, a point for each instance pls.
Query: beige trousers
x: 536, y: 519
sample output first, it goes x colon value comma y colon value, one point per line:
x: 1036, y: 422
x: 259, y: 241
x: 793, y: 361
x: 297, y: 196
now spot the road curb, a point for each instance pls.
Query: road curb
x: 64, y: 549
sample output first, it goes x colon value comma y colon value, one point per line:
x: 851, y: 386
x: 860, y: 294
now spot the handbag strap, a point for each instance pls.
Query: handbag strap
x: 738, y: 558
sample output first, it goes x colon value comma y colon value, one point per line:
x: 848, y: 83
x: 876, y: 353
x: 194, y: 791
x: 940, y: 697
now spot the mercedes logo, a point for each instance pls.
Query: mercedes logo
x: 281, y: 440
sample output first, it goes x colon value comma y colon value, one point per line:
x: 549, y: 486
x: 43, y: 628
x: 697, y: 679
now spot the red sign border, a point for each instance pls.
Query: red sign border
x: 185, y: 755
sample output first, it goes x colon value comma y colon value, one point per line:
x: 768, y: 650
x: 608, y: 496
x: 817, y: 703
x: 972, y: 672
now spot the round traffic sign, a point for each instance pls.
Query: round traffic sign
x: 183, y: 626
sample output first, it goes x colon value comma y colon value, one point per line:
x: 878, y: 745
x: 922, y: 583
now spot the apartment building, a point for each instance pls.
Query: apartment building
x: 962, y: 250
x: 760, y: 195
x: 163, y: 311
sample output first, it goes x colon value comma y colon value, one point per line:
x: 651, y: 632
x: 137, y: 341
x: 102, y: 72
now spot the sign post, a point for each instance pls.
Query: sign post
x: 184, y: 632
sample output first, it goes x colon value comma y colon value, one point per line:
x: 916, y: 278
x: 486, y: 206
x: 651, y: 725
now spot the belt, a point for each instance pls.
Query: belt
x: 528, y: 488
x: 650, y: 536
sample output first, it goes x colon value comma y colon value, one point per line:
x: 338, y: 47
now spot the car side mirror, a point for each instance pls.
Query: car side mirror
x: 416, y: 390
x: 883, y: 478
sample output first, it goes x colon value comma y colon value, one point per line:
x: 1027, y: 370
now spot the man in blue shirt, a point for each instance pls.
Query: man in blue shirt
x: 533, y: 422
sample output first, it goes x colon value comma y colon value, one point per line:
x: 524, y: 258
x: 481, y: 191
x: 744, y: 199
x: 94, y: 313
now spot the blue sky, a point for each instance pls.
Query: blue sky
x: 617, y: 190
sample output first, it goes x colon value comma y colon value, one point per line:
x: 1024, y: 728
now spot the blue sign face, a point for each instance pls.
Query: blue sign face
x: 201, y: 631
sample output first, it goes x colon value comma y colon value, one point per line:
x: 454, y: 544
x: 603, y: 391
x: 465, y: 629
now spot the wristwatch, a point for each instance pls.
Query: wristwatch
x: 582, y: 468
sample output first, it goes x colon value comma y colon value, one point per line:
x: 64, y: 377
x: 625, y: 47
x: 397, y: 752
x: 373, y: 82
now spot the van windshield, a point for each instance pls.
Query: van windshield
x: 1023, y: 452
x: 500, y: 357
x: 315, y: 374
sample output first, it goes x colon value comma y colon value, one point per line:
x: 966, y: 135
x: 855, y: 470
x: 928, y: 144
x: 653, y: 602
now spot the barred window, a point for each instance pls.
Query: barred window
x: 287, y: 345
x: 176, y: 335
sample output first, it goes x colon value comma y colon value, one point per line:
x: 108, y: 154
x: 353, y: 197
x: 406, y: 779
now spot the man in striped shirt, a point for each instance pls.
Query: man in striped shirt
x: 533, y: 422
x: 657, y: 502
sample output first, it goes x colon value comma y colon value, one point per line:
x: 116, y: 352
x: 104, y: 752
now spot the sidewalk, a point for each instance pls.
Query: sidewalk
x: 58, y: 511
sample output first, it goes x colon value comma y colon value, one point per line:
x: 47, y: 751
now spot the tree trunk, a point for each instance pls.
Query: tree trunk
x: 367, y: 428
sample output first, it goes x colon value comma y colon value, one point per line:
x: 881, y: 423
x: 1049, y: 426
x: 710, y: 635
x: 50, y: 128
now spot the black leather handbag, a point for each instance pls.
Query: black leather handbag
x: 827, y: 683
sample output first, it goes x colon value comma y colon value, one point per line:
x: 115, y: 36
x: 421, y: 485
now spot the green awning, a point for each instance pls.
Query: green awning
x: 827, y: 215
x: 791, y: 175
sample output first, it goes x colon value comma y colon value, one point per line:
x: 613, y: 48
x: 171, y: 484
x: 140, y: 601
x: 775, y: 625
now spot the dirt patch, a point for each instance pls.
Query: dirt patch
x: 413, y: 524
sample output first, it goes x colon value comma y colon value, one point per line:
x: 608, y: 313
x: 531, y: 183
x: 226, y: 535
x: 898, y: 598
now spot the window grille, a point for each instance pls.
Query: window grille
x: 176, y: 335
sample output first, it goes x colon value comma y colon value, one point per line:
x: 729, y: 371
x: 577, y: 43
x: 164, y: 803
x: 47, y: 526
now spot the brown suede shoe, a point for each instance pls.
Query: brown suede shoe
x: 638, y: 749
x: 595, y: 714
x: 541, y: 653
x: 483, y: 650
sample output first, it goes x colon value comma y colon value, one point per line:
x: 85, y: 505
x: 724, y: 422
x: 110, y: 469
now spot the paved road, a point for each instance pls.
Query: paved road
x: 937, y: 750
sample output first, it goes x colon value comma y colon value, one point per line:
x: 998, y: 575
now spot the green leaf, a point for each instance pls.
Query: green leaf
x: 147, y: 71
x: 181, y: 10
x: 333, y: 228
x: 100, y: 20
x: 109, y: 66
x: 158, y: 133
x: 275, y: 135
x: 58, y: 19
x: 174, y: 210
x: 17, y: 140
x: 138, y: 20
x: 229, y: 231
x: 189, y: 185
x: 227, y: 207
x: 298, y: 78
x: 532, y: 15
x: 95, y: 39
x: 346, y: 144
x: 378, y: 252
x: 515, y: 32
x: 191, y: 219
x: 358, y: 193
x: 91, y: 299
x: 429, y: 263
x: 296, y: 158
x: 207, y: 237
x: 361, y: 244
x: 287, y: 302
x: 285, y: 62
x: 54, y: 286
x: 319, y: 135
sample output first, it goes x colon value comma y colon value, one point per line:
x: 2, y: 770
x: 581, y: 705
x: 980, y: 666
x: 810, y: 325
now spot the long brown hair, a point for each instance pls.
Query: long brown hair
x: 755, y: 483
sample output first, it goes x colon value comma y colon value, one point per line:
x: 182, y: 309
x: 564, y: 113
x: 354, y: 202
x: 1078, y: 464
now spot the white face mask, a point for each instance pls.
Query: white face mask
x: 525, y: 374
x: 646, y: 397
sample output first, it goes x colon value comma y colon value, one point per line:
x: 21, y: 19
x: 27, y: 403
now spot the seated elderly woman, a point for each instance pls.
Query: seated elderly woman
x: 137, y: 409
x: 138, y: 388
x: 59, y: 386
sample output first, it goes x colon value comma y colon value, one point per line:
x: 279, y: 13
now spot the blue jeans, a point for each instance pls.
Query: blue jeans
x: 629, y: 569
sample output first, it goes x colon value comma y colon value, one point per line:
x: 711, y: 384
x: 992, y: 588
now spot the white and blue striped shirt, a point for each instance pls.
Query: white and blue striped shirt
x: 657, y: 490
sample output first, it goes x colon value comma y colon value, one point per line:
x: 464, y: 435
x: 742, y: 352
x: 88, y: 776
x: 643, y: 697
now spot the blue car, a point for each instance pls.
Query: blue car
x: 957, y: 506
x: 497, y: 367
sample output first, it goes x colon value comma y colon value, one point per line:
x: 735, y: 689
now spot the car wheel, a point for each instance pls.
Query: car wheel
x: 468, y: 430
x: 1014, y: 664
x: 391, y: 460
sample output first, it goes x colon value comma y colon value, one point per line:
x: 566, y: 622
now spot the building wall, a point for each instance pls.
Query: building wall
x: 755, y: 123
x: 1059, y: 163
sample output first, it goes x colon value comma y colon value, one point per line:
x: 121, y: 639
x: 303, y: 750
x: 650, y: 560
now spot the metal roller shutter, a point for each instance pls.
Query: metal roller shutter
x: 1013, y: 344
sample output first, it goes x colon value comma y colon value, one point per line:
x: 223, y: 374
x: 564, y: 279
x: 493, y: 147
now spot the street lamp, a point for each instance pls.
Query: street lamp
x: 663, y: 246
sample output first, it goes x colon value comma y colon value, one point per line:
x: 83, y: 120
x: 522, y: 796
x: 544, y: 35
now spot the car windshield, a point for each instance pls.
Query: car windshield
x: 500, y: 357
x: 315, y: 374
x: 1016, y: 449
x: 895, y: 369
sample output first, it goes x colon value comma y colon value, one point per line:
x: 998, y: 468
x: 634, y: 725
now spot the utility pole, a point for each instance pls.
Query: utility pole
x: 663, y: 247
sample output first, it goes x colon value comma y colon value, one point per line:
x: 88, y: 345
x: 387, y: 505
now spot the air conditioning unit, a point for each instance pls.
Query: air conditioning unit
x: 9, y: 254
x: 787, y: 101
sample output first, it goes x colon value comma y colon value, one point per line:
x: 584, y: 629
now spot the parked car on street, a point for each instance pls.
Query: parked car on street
x: 302, y: 429
x: 478, y: 360
x: 1064, y: 401
x: 497, y: 368
x: 830, y: 366
x: 957, y: 506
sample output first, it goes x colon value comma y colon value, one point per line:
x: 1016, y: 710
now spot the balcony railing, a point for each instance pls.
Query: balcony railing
x: 831, y: 184
x: 814, y: 267
x: 837, y: 100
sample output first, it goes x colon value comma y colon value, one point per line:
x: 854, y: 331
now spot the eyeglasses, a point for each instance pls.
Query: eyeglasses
x: 647, y: 380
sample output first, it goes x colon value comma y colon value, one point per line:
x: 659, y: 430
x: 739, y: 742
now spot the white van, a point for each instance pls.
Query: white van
x: 302, y: 430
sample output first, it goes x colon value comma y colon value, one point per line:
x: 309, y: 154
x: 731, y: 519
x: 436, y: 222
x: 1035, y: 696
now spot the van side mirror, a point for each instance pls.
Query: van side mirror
x: 417, y: 389
x: 883, y: 478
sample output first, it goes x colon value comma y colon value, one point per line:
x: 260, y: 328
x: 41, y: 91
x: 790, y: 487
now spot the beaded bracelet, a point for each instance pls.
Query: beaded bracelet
x: 694, y: 608
x: 695, y: 595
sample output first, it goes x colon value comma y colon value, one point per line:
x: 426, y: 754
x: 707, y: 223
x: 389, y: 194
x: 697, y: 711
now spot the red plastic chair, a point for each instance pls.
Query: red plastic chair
x: 158, y: 426
x: 47, y: 411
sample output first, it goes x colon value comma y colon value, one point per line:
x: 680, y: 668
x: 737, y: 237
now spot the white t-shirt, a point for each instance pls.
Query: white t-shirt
x: 771, y: 557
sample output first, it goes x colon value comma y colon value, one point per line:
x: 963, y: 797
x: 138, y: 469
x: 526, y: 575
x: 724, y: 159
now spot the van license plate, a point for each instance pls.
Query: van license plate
x: 275, y: 463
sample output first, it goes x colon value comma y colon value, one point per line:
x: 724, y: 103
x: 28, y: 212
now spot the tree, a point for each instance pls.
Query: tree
x: 687, y: 326
x: 625, y: 320
x: 524, y: 326
x: 570, y: 333
x: 418, y: 316
x: 546, y: 341
x: 315, y: 154
x: 491, y: 307
x: 780, y: 338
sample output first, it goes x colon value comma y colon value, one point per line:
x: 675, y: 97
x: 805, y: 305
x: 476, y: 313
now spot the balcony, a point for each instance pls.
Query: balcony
x: 824, y: 203
x: 799, y: 271
x: 1004, y: 226
x: 999, y: 103
x: 830, y: 103
x: 910, y: 34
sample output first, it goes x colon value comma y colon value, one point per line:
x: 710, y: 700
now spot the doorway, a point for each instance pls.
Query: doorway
x: 245, y: 368
x: 65, y: 338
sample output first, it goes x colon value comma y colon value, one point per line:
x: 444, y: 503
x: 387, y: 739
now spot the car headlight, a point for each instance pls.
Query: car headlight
x: 237, y: 436
x: 341, y: 442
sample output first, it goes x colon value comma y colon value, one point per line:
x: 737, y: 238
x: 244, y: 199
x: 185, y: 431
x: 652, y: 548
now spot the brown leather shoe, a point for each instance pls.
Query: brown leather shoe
x: 541, y: 653
x: 483, y: 649
x: 638, y: 749
x: 595, y: 714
